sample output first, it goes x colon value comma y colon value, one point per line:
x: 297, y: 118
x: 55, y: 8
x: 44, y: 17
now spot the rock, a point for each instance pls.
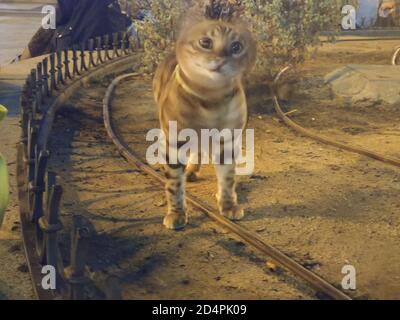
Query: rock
x: 373, y: 83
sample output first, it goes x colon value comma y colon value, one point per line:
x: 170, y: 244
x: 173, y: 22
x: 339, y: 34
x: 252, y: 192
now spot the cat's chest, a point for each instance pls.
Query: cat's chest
x: 232, y: 114
x: 228, y: 114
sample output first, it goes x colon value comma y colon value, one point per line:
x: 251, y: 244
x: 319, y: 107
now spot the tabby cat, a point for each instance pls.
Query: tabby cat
x: 200, y: 87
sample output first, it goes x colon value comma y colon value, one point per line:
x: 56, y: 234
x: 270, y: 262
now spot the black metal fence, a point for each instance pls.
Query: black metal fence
x: 39, y: 193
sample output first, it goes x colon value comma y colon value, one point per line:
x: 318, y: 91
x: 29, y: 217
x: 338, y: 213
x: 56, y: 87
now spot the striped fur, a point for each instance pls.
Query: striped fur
x: 201, y: 88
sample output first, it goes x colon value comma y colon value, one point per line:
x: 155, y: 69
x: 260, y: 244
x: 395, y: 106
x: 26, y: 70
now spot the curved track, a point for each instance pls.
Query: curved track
x: 256, y: 242
x: 277, y: 256
x: 343, y: 146
x: 253, y: 240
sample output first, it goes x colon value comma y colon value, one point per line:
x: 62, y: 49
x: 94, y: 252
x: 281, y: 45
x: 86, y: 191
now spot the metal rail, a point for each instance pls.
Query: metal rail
x: 366, y: 39
x: 245, y: 235
x: 307, y: 133
x: 396, y: 56
x: 49, y: 85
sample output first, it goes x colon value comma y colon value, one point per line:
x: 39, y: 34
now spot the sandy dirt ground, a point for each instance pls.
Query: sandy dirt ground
x: 324, y: 207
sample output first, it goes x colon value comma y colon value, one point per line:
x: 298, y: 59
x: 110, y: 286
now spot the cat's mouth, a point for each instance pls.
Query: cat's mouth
x: 215, y: 68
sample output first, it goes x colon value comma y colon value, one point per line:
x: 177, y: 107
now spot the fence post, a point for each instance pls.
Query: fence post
x: 79, y: 247
x: 53, y: 84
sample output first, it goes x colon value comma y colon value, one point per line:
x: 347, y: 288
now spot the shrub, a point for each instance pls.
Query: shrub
x: 285, y: 29
x: 158, y: 31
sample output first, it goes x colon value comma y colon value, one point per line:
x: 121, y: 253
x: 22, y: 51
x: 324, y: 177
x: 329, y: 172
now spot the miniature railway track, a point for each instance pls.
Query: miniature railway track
x: 49, y: 86
x: 245, y: 235
x: 343, y: 146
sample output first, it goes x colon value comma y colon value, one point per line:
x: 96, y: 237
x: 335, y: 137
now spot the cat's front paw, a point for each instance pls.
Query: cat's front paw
x: 175, y: 220
x: 235, y: 213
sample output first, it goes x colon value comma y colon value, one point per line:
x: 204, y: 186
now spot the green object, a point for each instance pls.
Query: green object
x: 3, y: 112
x: 4, y: 189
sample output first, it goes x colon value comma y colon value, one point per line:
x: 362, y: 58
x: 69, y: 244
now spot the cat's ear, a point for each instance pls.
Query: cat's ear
x: 225, y: 10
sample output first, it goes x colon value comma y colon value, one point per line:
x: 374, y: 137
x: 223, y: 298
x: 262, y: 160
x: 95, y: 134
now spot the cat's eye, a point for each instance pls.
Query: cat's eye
x: 206, y: 43
x: 236, y: 47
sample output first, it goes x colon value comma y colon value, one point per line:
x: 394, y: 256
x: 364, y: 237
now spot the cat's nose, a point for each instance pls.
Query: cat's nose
x: 218, y: 64
x: 222, y: 54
